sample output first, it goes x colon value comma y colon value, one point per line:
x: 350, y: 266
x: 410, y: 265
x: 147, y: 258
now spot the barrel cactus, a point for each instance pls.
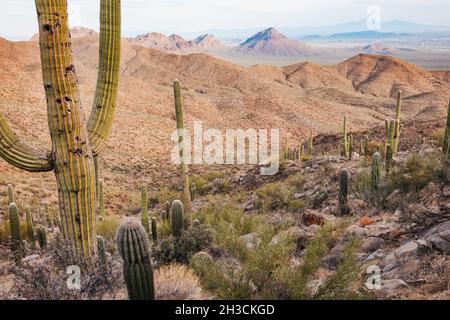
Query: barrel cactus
x: 75, y: 141
x: 375, y: 175
x: 186, y: 196
x: 177, y: 218
x: 30, y: 227
x: 137, y: 268
x: 343, y: 192
x: 14, y: 223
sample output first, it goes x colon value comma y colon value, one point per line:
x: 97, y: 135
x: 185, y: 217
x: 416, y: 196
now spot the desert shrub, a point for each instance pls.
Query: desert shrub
x: 438, y: 137
x: 107, y: 227
x: 319, y: 198
x: 177, y: 282
x: 202, y: 186
x: 171, y: 249
x: 44, y: 278
x: 168, y: 194
x: 375, y: 146
x: 275, y: 196
x: 296, y: 181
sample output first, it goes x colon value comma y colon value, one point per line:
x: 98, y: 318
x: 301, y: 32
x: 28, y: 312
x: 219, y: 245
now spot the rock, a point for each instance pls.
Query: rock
x: 355, y: 230
x: 394, y: 199
x: 312, y: 231
x: 311, y: 217
x: 251, y: 240
x: 439, y: 237
x: 402, y: 272
x: 394, y: 284
x: 297, y: 234
x: 372, y: 244
x: 333, y: 258
x: 407, y: 252
x: 379, y: 254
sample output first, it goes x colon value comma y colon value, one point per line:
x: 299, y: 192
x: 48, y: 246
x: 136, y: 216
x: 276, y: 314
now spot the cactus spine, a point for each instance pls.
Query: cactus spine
x: 186, y: 196
x: 137, y: 268
x: 144, y: 209
x: 10, y: 192
x: 16, y: 238
x: 345, y: 141
x: 74, y: 142
x: 343, y: 192
x: 102, y: 260
x: 30, y: 227
x: 154, y: 230
x: 177, y: 218
x: 42, y: 237
x: 446, y: 148
x: 375, y: 176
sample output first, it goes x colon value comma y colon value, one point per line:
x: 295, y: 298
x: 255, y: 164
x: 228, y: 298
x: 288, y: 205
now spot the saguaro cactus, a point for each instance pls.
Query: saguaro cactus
x: 446, y: 145
x: 102, y: 260
x: 42, y: 237
x: 345, y: 141
x: 390, y: 145
x: 10, y: 192
x: 14, y: 223
x: 30, y: 227
x: 154, y: 230
x: 133, y: 247
x: 177, y: 218
x: 343, y: 192
x: 74, y: 143
x: 398, y: 125
x: 144, y: 209
x: 101, y: 199
x: 375, y: 175
x: 186, y: 196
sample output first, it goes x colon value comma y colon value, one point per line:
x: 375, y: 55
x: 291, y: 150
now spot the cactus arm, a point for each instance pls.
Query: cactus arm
x: 20, y: 155
x: 105, y: 102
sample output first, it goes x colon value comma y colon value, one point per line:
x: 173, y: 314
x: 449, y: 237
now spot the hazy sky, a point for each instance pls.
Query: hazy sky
x: 17, y: 17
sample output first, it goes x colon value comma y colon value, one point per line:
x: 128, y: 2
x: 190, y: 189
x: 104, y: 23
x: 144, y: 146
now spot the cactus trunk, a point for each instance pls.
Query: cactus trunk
x: 154, y: 230
x: 30, y: 227
x: 16, y: 238
x: 375, y: 176
x: 186, y: 196
x: 177, y: 218
x: 343, y: 192
x: 144, y: 210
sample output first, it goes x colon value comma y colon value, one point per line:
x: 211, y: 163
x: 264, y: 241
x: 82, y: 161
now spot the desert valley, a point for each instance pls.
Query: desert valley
x: 252, y: 234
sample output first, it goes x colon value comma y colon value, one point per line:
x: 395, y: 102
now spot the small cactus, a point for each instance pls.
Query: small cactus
x: 30, y: 227
x: 16, y: 238
x: 177, y: 218
x: 42, y: 237
x: 154, y: 230
x: 102, y: 260
x: 10, y: 192
x: 137, y: 268
x: 345, y: 141
x: 343, y: 192
x: 350, y: 147
x: 193, y: 190
x: 101, y: 199
x: 286, y: 148
x: 446, y: 148
x: 167, y: 210
x: 48, y: 218
x: 375, y: 176
x: 144, y: 209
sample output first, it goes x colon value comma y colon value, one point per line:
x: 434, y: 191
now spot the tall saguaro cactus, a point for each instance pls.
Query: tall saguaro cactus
x: 446, y: 148
x: 398, y: 125
x: 74, y: 142
x: 345, y: 141
x: 144, y: 209
x: 186, y: 196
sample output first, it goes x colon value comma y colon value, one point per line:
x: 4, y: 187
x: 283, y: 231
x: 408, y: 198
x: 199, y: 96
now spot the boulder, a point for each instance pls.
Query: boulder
x: 372, y: 244
x: 439, y: 237
x: 407, y: 252
x: 297, y: 234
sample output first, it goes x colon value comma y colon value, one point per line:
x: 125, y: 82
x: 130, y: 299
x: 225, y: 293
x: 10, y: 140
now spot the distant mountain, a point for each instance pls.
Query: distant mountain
x: 75, y: 32
x: 378, y: 49
x: 271, y: 42
x: 209, y: 43
x: 173, y: 43
x: 362, y: 35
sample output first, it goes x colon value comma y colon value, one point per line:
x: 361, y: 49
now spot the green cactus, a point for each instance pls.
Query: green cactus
x: 343, y: 192
x: 177, y: 218
x: 102, y: 260
x: 144, y: 209
x: 390, y: 145
x: 366, y: 146
x: 193, y: 190
x: 350, y: 147
x: 154, y: 230
x: 133, y: 247
x: 42, y: 237
x: 10, y: 192
x: 168, y: 210
x: 186, y: 196
x: 75, y: 142
x: 311, y: 144
x: 48, y: 216
x: 375, y: 176
x: 101, y: 199
x: 398, y: 125
x: 97, y: 181
x: 286, y: 148
x: 14, y: 223
x: 446, y: 148
x: 345, y: 141
x: 30, y: 227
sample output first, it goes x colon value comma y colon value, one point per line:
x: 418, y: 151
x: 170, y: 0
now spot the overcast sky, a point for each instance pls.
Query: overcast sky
x: 18, y: 21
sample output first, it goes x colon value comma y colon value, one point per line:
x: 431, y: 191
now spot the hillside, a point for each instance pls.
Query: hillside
x: 297, y: 99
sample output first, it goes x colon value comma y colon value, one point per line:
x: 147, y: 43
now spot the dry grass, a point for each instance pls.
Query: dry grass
x: 177, y: 282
